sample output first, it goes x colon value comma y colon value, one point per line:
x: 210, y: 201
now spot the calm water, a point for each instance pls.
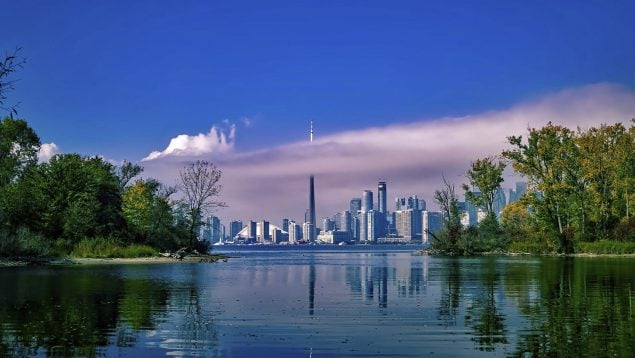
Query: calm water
x: 345, y: 302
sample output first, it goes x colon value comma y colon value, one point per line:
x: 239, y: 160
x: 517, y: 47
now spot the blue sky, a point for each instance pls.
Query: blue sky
x: 123, y: 78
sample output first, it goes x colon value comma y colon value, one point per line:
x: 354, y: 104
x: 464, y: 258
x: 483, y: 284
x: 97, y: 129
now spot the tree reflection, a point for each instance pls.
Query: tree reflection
x: 79, y: 311
x: 489, y: 324
x: 585, y: 309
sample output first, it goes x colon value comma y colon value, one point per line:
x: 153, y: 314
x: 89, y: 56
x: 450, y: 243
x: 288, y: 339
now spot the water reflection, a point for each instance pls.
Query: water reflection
x: 358, y: 304
x: 82, y: 311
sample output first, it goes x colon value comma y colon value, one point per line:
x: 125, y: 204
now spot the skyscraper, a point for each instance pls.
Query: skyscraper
x: 311, y: 237
x: 367, y: 200
x: 356, y: 205
x: 381, y: 197
x: 234, y: 228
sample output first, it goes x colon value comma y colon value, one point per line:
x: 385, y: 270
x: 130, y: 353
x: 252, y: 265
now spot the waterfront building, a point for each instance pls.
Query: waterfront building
x: 307, y: 230
x: 295, y: 232
x: 367, y: 200
x: 355, y: 227
x: 263, y: 234
x: 363, y: 227
x: 432, y: 223
x: 355, y: 206
x: 333, y: 237
x: 252, y: 231
x: 234, y: 227
x: 400, y: 203
x: 328, y: 224
x: 343, y: 221
x: 381, y: 197
x: 404, y: 224
x: 376, y: 222
x: 285, y: 225
x: 278, y: 236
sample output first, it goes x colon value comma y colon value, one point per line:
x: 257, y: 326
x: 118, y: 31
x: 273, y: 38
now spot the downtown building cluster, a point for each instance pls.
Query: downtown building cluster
x: 366, y: 221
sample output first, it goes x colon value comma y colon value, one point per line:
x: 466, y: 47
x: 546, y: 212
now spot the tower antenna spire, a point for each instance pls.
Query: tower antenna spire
x: 311, y: 133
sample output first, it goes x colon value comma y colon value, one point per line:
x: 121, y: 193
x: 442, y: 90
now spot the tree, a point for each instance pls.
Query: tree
x: 126, y: 172
x: 447, y: 200
x: 10, y: 63
x: 148, y: 210
x: 19, y: 146
x: 486, y: 176
x: 201, y: 188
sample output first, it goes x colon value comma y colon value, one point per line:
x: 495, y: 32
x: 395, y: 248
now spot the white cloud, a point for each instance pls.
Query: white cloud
x: 47, y: 151
x: 215, y: 141
x: 272, y: 183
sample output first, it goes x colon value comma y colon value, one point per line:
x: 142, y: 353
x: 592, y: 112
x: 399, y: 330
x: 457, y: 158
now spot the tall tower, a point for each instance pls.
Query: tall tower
x: 381, y: 197
x: 367, y: 200
x: 312, y: 235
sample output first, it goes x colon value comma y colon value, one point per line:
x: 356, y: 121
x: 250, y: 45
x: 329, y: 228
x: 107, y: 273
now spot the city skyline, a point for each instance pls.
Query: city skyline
x: 406, y: 92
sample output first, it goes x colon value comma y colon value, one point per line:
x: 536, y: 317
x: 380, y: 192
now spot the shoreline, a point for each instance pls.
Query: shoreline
x: 25, y: 261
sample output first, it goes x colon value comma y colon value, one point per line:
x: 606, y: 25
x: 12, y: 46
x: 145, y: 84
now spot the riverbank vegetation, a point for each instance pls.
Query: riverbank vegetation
x: 87, y: 207
x: 580, y: 195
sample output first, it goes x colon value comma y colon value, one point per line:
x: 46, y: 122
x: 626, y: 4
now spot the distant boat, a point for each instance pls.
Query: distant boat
x: 342, y: 243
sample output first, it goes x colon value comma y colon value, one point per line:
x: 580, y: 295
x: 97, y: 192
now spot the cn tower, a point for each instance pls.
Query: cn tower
x: 312, y: 199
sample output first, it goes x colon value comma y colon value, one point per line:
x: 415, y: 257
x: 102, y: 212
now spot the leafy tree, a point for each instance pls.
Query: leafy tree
x: 148, y: 210
x: 544, y: 159
x: 486, y: 176
x: 82, y: 198
x: 19, y: 146
x: 201, y: 188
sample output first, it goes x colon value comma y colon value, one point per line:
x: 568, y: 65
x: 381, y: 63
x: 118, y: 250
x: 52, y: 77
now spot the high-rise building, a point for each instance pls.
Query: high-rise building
x: 381, y: 197
x: 234, y: 228
x: 253, y: 230
x: 356, y: 205
x: 432, y: 223
x: 400, y: 204
x: 355, y: 227
x: 367, y: 200
x: 376, y: 225
x: 327, y: 224
x: 263, y: 231
x: 363, y: 226
x: 404, y: 224
x: 343, y: 222
x: 295, y: 232
x: 285, y: 225
x: 307, y: 230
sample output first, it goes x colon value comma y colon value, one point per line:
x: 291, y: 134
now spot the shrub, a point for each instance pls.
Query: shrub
x: 111, y: 248
x: 606, y: 247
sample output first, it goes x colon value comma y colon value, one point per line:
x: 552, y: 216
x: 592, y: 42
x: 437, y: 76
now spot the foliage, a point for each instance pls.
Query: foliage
x: 149, y: 212
x: 19, y: 146
x: 581, y: 183
x: 447, y: 200
x: 486, y: 176
x: 109, y: 248
x: 606, y: 247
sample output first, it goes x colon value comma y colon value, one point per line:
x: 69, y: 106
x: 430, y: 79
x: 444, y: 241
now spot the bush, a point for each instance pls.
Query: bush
x: 606, y: 247
x: 625, y: 230
x: 110, y: 248
x: 23, y: 243
x: 532, y: 247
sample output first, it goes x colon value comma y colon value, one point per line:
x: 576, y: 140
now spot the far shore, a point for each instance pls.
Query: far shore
x: 580, y: 254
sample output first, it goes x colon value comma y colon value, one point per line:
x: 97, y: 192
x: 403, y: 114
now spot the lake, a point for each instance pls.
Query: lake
x: 314, y: 302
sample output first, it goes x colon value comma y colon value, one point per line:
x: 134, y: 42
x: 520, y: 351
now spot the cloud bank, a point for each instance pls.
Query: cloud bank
x: 272, y: 183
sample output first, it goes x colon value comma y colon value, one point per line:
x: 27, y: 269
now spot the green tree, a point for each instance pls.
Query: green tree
x: 82, y: 198
x: 19, y: 146
x: 486, y: 176
x: 148, y: 210
x: 451, y: 233
x: 545, y: 160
